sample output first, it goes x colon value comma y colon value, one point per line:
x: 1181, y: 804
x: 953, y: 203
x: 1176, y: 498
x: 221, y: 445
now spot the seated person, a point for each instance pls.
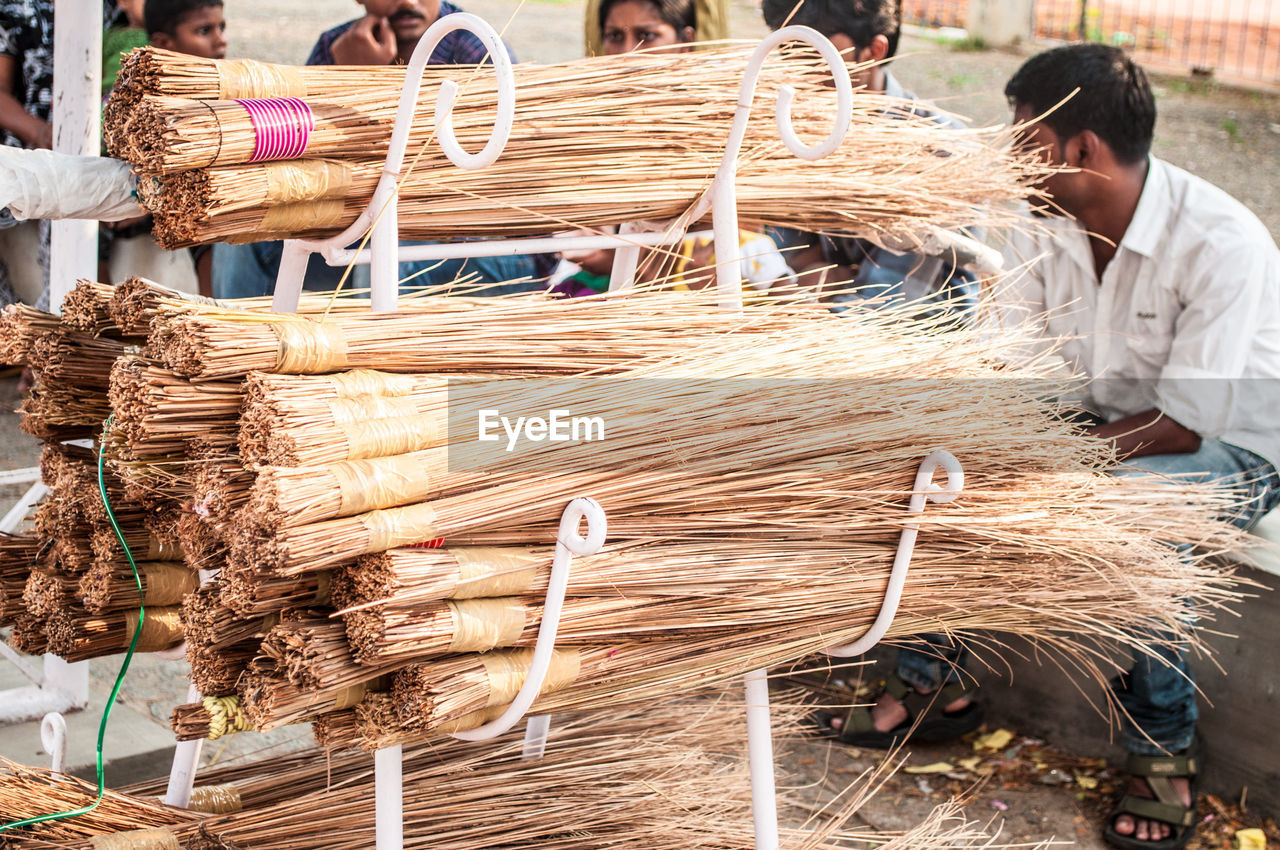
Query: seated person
x: 687, y: 20
x: 687, y: 265
x: 866, y: 31
x: 387, y: 34
x: 1166, y: 292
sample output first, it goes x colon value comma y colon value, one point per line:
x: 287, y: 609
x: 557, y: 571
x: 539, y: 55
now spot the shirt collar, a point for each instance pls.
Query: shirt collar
x: 1151, y: 216
x: 893, y: 88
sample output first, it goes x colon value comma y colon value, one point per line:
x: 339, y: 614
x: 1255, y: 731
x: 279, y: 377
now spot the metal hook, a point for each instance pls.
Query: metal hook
x: 925, y: 491
x: 722, y: 196
x: 53, y: 737
x: 568, y: 543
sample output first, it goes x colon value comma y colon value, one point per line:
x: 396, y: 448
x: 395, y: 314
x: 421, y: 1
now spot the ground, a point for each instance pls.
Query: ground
x: 1230, y: 137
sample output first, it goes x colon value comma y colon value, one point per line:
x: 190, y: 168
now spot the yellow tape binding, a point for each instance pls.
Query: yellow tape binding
x: 215, y: 799
x: 248, y: 78
x: 226, y: 716
x: 360, y: 382
x: 307, y: 215
x: 323, y: 580
x: 354, y: 410
x: 470, y: 720
x: 394, y: 436
x: 386, y: 482
x: 349, y: 696
x: 307, y: 348
x: 480, y: 624
x: 162, y: 629
x: 166, y: 582
x: 298, y: 180
x: 506, y: 672
x: 494, y: 571
x: 399, y: 527
x: 157, y: 838
x: 162, y: 550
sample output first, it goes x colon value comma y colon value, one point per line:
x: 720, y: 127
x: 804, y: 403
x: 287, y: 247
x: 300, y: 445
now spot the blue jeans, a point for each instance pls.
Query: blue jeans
x: 1157, y: 692
x: 249, y: 271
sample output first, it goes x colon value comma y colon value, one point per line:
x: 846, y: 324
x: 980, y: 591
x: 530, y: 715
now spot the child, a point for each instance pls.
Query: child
x: 196, y: 27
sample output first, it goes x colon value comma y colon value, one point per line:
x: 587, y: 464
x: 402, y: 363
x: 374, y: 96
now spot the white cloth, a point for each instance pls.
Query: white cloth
x: 41, y: 184
x: 1186, y: 318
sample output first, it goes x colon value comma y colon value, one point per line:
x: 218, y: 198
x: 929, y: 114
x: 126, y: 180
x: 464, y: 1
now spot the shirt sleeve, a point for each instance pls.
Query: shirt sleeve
x: 470, y: 50
x: 1224, y: 294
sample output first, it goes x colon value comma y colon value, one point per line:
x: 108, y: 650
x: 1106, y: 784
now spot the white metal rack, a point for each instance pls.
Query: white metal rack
x: 380, y: 221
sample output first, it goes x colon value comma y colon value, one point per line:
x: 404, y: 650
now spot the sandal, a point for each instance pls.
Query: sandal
x: 926, y: 721
x: 1166, y: 807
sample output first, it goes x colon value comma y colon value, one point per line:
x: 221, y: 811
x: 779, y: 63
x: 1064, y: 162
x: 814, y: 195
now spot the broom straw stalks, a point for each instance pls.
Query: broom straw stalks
x: 553, y: 336
x: 20, y: 327
x: 109, y: 588
x: 78, y: 635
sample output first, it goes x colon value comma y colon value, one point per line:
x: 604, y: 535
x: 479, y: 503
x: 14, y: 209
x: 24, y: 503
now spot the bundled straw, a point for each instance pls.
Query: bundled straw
x: 77, y: 636
x: 106, y: 587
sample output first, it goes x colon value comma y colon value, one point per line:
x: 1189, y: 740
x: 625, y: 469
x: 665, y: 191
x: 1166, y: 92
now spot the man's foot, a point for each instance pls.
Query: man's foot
x: 888, y: 712
x: 902, y: 711
x: 1158, y: 810
x: 1145, y: 829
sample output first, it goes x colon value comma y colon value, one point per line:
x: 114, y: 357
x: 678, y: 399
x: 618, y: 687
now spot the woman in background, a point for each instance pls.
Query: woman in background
x: 627, y: 25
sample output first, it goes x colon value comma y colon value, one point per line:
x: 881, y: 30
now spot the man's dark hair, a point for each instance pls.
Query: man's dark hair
x: 165, y: 15
x: 861, y: 20
x: 1115, y: 99
x: 678, y: 14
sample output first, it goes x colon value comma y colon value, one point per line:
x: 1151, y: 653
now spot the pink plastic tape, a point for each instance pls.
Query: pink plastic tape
x: 281, y: 127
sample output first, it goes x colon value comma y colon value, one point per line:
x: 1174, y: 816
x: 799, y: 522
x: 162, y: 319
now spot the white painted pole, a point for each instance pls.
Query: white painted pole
x: 764, y: 803
x: 389, y: 798
x: 77, y: 118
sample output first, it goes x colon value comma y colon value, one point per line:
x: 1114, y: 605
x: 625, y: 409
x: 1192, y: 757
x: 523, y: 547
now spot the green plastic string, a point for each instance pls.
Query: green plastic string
x: 124, y: 668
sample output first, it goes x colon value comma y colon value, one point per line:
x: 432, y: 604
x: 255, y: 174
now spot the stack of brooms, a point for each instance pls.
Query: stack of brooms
x: 755, y: 471
x: 594, y: 142
x: 666, y: 778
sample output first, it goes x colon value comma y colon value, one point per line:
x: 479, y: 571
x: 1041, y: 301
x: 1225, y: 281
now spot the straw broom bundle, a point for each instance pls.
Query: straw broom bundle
x: 637, y: 481
x: 17, y: 559
x: 144, y: 545
x: 78, y: 635
x: 201, y: 542
x: 250, y: 594
x: 31, y: 791
x: 850, y: 580
x: 63, y: 412
x: 167, y: 134
x: 220, y: 643
x: 85, y: 309
x: 45, y: 593
x: 107, y: 588
x: 156, y: 407
x: 20, y: 327
x: 553, y: 336
x: 28, y: 634
x: 681, y: 107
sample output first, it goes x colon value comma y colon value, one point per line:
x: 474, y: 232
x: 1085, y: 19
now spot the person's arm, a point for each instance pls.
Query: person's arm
x: 1150, y: 432
x: 31, y: 130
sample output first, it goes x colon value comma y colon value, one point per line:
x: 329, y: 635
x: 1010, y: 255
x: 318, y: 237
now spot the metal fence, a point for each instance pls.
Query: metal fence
x: 1232, y: 39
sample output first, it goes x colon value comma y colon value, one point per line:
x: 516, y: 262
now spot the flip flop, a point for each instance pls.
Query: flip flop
x: 926, y: 720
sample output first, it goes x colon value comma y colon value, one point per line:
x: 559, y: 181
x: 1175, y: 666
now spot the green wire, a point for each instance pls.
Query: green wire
x: 124, y: 668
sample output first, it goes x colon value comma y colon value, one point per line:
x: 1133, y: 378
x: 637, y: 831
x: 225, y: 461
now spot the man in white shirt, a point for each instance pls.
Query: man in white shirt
x: 1166, y: 292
